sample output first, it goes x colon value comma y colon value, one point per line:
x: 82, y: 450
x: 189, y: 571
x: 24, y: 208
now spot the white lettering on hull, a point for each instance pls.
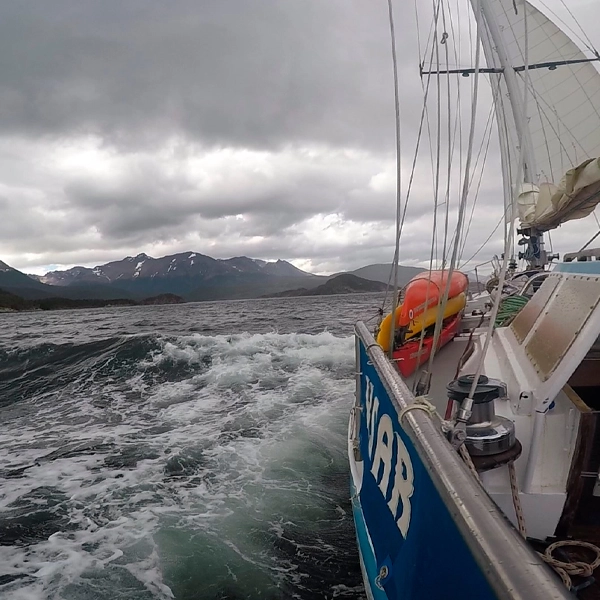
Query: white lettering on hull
x: 383, y: 453
x: 403, y: 486
x: 389, y: 460
x: 372, y: 411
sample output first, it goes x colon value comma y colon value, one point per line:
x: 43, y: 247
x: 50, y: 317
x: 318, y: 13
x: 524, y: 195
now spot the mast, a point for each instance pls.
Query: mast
x: 536, y: 254
x: 546, y: 95
x: 515, y: 94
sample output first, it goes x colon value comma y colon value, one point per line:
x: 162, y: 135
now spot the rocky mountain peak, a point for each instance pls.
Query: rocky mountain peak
x: 182, y: 265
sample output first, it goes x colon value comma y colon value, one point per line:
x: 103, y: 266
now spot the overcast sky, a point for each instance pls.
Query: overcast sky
x: 262, y: 128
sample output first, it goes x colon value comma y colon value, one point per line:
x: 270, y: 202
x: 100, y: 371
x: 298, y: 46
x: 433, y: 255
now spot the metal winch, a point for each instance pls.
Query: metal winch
x: 487, y: 433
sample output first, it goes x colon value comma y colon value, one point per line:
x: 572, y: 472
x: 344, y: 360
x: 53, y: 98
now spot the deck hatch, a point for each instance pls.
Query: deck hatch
x: 530, y: 313
x: 562, y: 320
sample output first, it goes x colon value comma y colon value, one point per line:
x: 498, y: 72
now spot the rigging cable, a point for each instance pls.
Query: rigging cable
x: 421, y: 55
x: 489, y: 237
x: 458, y: 117
x: 457, y: 128
x: 433, y: 237
x: 565, y: 25
x: 589, y: 241
x: 412, y: 174
x: 591, y: 47
x: 487, y: 133
x: 438, y: 154
x: 465, y: 409
x: 465, y: 190
x: 398, y: 172
x: 459, y: 78
x: 450, y: 144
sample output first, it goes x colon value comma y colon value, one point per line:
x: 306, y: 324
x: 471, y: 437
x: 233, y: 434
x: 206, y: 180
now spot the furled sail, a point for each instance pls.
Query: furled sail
x: 561, y: 115
x: 547, y: 206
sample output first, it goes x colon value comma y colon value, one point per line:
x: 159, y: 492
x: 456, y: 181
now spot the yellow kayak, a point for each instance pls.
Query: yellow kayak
x: 424, y: 320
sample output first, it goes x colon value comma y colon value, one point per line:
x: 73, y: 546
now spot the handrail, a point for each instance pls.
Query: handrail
x: 531, y: 280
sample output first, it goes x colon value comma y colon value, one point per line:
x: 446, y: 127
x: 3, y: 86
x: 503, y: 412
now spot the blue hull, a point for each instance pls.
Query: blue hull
x: 424, y: 526
x: 368, y: 563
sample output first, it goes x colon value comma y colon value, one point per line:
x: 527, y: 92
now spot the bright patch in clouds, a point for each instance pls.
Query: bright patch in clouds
x: 267, y: 131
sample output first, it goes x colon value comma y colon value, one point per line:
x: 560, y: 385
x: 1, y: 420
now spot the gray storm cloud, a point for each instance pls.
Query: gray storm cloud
x: 224, y: 72
x: 227, y: 127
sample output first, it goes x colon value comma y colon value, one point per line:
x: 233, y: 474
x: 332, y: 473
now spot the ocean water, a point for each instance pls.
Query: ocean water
x: 193, y: 451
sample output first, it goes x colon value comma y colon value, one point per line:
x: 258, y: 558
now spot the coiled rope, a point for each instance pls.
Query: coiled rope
x: 562, y: 568
x: 509, y: 308
x: 566, y: 569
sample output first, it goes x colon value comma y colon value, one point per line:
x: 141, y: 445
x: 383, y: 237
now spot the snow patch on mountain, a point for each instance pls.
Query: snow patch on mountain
x: 184, y: 265
x: 138, y: 268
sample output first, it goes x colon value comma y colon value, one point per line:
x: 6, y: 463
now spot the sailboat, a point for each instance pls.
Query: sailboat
x: 475, y: 454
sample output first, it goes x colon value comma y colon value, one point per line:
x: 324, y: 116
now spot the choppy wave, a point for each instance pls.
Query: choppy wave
x: 190, y: 466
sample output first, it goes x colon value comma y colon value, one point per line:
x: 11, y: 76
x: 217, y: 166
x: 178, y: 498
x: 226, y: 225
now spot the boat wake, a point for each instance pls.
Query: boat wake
x: 187, y: 467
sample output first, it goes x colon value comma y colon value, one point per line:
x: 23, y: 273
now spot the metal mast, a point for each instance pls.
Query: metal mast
x: 495, y: 44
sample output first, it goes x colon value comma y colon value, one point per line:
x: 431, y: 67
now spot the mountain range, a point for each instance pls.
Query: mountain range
x: 192, y: 275
x: 174, y: 267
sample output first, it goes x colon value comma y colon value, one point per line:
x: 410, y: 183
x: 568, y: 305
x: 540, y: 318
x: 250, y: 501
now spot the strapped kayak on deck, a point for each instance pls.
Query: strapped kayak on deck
x: 418, y: 311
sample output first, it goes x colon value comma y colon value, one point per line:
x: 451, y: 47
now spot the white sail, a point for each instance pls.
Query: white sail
x: 562, y: 112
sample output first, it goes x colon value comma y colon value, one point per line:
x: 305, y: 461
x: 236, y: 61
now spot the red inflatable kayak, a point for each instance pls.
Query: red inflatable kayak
x: 407, y: 356
x: 429, y: 288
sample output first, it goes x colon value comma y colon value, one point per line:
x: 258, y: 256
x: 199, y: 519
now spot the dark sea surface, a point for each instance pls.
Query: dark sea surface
x: 185, y: 451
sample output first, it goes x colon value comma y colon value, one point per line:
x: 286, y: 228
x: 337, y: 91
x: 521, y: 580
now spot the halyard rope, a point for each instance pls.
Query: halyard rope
x: 514, y: 490
x: 464, y: 454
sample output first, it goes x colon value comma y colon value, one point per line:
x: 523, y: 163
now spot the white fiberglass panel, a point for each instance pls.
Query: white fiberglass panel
x: 564, y: 318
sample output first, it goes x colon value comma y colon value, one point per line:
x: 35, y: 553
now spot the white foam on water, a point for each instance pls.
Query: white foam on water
x: 227, y: 446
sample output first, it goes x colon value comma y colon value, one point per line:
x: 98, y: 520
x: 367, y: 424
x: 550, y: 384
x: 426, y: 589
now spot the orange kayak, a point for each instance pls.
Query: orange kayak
x: 426, y: 290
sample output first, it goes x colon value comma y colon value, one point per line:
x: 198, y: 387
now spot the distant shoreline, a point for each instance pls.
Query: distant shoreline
x: 5, y: 310
x: 13, y: 303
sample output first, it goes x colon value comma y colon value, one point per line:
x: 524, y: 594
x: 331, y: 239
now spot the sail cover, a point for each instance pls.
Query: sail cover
x: 562, y: 111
